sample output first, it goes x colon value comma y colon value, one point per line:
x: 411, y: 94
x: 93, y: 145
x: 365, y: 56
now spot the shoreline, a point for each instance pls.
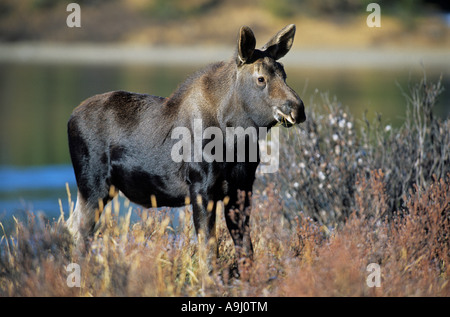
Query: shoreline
x: 123, y: 54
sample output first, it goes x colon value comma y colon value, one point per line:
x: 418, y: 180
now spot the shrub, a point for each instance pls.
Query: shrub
x: 321, y: 159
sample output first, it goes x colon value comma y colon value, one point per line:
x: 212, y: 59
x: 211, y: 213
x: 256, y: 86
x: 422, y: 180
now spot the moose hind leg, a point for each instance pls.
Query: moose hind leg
x: 87, y: 212
x: 82, y: 221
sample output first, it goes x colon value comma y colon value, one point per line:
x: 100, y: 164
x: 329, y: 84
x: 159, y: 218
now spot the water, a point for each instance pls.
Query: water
x: 36, y: 188
x: 36, y: 101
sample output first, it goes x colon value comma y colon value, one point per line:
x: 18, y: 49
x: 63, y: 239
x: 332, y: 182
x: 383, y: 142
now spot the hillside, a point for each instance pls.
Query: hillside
x: 323, y: 24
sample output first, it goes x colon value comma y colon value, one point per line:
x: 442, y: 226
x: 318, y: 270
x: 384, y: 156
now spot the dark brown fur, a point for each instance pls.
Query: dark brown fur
x: 123, y: 139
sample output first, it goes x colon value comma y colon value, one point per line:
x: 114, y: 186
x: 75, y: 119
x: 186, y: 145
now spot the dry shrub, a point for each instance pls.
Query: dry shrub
x: 320, y: 159
x: 319, y: 163
x: 412, y: 250
x: 418, y: 246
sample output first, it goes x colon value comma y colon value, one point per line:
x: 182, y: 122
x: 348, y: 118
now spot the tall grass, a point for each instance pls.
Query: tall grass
x: 343, y: 198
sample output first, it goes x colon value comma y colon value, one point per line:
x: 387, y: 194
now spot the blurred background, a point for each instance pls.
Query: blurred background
x: 150, y: 46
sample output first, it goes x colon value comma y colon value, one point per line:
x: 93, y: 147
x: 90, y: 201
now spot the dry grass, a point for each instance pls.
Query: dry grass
x: 351, y: 202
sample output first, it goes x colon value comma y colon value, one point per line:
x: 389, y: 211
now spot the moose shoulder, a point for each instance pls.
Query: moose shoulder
x: 125, y: 141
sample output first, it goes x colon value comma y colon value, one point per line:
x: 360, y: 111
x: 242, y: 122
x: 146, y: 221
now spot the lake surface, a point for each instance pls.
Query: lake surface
x: 36, y: 101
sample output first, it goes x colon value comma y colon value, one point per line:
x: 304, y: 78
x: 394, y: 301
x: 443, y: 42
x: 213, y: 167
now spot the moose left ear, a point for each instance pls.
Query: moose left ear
x: 281, y: 43
x: 246, y: 44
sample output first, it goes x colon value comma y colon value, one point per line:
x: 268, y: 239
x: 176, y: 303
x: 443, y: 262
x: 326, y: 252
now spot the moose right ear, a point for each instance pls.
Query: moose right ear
x: 281, y: 43
x: 246, y: 45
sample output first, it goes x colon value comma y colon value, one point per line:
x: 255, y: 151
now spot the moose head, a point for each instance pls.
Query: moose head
x: 268, y: 99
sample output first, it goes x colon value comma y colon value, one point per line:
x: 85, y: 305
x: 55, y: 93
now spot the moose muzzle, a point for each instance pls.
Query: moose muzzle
x: 290, y: 113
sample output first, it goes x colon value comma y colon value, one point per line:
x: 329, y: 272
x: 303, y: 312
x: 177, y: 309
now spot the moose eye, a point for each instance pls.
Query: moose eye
x: 261, y: 80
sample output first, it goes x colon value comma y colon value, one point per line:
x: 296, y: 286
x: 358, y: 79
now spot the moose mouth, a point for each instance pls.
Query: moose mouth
x: 286, y: 120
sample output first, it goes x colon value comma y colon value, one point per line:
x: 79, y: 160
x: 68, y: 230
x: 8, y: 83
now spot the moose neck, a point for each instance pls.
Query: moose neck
x: 215, y: 95
x: 229, y: 103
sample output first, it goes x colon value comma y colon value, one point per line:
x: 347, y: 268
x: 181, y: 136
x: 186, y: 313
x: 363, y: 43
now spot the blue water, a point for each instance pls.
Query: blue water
x: 39, y: 189
x: 51, y: 177
x: 35, y: 189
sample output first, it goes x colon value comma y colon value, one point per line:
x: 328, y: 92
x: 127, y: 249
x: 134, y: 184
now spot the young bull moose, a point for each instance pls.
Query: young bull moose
x: 122, y: 140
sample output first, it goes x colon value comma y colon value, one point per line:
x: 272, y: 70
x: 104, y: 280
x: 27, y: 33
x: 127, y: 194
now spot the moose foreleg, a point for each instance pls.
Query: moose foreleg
x: 237, y: 216
x: 204, y: 216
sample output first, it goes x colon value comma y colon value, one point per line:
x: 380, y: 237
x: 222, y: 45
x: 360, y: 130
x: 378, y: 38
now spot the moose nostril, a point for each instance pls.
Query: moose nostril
x: 295, y: 109
x: 287, y: 107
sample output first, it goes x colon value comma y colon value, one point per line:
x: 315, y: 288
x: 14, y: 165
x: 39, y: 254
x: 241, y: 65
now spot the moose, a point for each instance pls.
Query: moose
x: 122, y: 141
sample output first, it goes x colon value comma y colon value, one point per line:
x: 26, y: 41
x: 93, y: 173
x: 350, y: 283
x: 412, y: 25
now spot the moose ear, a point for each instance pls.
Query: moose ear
x: 281, y: 43
x: 246, y: 45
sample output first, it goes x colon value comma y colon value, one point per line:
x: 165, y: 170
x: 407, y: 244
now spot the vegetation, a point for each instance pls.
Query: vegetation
x: 319, y: 173
x: 342, y: 199
x: 325, y: 23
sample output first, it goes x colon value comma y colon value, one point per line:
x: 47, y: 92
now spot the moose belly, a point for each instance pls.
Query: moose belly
x: 144, y: 188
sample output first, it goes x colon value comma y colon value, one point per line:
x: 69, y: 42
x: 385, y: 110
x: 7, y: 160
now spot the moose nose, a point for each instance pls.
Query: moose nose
x: 296, y: 109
